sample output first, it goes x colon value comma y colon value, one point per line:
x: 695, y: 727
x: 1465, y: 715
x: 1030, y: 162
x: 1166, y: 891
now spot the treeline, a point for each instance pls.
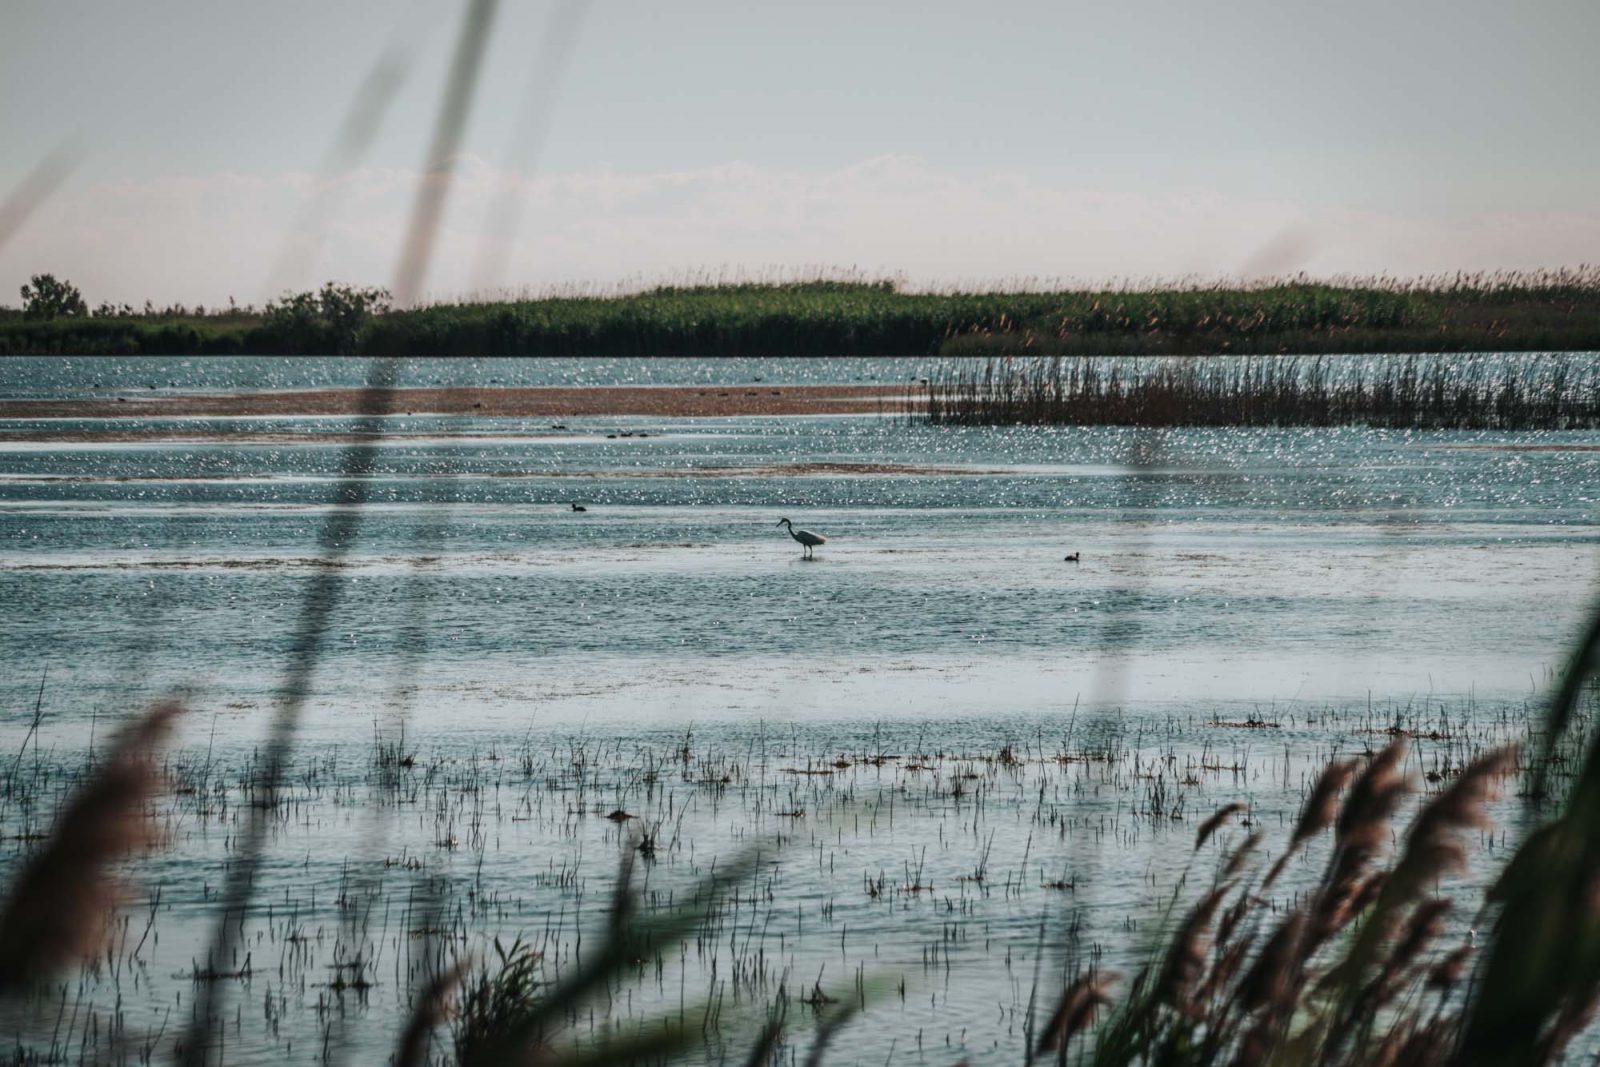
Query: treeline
x: 55, y: 320
x: 1546, y: 311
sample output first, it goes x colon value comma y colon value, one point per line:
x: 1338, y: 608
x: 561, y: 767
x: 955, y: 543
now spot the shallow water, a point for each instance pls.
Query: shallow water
x: 1330, y: 581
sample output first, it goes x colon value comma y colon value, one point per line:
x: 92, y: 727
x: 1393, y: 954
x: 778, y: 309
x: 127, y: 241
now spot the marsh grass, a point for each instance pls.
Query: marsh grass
x: 847, y: 314
x: 1367, y: 946
x: 1349, y: 971
x: 1535, y: 392
x: 499, y: 1000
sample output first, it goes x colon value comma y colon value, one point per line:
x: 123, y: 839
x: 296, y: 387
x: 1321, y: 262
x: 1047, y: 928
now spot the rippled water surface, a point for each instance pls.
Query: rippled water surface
x: 551, y: 666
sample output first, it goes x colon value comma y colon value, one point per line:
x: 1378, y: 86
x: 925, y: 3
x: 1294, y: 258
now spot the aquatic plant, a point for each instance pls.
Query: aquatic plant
x: 1349, y: 975
x: 1543, y: 392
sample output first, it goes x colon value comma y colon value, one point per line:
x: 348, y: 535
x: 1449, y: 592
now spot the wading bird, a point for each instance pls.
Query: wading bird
x: 805, y: 537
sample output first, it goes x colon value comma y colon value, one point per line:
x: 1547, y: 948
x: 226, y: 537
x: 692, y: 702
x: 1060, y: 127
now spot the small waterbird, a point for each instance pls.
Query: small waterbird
x: 579, y: 507
x: 805, y: 537
x: 1072, y: 558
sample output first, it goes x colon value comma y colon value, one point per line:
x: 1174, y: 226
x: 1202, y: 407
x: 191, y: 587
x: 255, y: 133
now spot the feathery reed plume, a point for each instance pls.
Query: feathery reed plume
x: 59, y: 902
x: 1187, y: 955
x: 1230, y: 959
x: 1444, y: 975
x: 1319, y: 811
x: 1214, y: 823
x: 431, y: 1009
x: 1433, y: 848
x: 1433, y: 844
x: 1240, y: 856
x: 1233, y: 917
x: 1427, y: 919
x: 1270, y: 989
x: 1269, y: 977
x: 1373, y: 798
x: 1362, y: 829
x: 1360, y: 834
x: 1075, y: 1012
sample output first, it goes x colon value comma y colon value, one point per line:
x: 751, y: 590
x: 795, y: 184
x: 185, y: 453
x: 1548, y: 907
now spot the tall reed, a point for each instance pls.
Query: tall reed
x: 1553, y: 392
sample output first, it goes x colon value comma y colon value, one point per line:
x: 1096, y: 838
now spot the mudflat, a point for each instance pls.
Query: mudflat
x: 543, y: 402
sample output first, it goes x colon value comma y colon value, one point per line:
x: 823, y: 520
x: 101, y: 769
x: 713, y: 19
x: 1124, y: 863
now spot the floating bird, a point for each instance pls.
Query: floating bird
x: 1073, y: 558
x: 805, y: 537
x: 579, y: 507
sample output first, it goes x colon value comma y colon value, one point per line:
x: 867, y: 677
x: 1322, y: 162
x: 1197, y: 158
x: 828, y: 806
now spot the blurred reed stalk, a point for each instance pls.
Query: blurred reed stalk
x: 548, y: 71
x: 339, y: 533
x: 350, y: 143
x: 439, y: 165
x: 35, y: 188
x: 59, y: 904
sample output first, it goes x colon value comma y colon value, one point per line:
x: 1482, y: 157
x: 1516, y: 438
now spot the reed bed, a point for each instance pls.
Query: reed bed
x: 844, y: 314
x: 778, y: 889
x: 1546, y: 392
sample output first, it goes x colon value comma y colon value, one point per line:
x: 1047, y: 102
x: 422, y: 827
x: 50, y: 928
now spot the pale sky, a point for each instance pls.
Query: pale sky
x: 951, y: 143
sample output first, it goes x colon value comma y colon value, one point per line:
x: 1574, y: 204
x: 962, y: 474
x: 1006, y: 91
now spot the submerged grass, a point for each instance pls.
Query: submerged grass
x: 851, y: 315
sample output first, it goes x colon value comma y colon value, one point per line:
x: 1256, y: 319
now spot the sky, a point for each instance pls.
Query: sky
x: 613, y: 143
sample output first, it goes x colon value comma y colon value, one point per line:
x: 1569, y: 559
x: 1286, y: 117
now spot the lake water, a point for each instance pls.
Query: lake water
x: 550, y: 666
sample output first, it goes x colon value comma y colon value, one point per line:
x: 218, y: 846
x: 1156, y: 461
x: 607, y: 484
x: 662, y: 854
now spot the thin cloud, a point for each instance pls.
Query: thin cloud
x: 202, y: 239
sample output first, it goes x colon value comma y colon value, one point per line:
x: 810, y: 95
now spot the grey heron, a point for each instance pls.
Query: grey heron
x: 805, y: 537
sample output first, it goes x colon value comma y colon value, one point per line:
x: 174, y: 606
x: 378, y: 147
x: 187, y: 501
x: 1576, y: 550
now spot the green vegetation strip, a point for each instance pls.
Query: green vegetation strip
x: 1546, y: 311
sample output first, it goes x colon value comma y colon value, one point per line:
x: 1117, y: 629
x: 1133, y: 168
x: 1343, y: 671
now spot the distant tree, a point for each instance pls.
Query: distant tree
x: 347, y: 310
x: 329, y: 320
x: 44, y: 297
